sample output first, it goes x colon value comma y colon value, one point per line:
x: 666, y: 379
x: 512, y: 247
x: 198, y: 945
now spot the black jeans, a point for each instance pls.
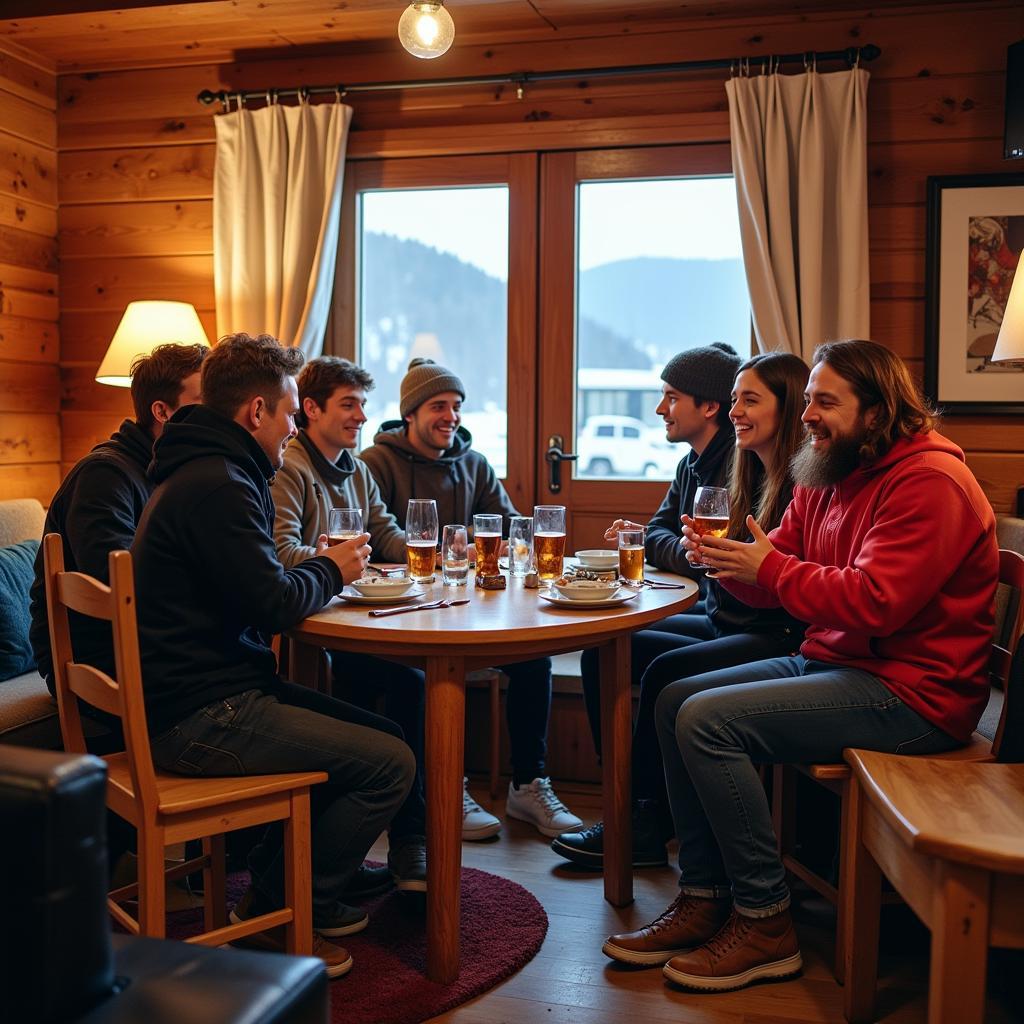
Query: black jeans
x: 362, y: 678
x: 294, y: 729
x: 674, y: 648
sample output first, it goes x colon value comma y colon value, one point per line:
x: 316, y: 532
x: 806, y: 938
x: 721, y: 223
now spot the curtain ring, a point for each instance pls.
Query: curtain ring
x: 224, y: 105
x: 339, y: 93
x: 732, y: 69
x: 303, y: 94
x: 241, y: 100
x: 856, y: 59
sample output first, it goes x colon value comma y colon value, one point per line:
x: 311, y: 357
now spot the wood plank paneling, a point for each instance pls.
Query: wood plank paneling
x: 27, y: 249
x: 137, y: 229
x: 29, y: 437
x: 90, y: 284
x: 27, y: 171
x: 27, y: 80
x: 28, y: 216
x: 38, y: 480
x: 28, y: 341
x: 30, y: 387
x: 86, y: 335
x: 80, y: 432
x: 167, y: 172
x: 27, y: 120
x: 79, y: 392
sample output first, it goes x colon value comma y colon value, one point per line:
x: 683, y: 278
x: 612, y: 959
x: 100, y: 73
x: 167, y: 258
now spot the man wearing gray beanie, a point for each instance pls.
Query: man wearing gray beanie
x: 695, y: 402
x: 429, y: 454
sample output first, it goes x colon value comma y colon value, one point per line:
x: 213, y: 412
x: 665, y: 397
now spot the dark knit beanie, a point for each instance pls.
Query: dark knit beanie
x: 424, y: 380
x: 706, y: 372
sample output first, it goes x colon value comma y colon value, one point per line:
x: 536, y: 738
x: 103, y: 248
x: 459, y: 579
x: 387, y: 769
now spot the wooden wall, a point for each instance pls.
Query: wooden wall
x: 137, y: 155
x: 29, y: 349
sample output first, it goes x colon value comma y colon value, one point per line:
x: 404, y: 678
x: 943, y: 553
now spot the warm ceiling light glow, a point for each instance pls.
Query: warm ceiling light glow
x: 1010, y: 343
x: 143, y: 326
x: 426, y: 29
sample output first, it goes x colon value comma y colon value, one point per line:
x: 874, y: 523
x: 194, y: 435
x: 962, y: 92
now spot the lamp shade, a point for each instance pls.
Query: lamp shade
x: 1010, y: 342
x: 143, y: 327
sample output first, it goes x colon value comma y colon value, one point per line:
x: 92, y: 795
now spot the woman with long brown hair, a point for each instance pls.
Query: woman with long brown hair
x: 767, y: 400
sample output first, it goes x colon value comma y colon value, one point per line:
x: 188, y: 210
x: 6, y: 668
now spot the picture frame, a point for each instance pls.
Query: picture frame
x: 975, y: 236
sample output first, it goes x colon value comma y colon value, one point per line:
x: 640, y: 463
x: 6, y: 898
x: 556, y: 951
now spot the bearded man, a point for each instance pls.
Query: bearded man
x: 888, y: 552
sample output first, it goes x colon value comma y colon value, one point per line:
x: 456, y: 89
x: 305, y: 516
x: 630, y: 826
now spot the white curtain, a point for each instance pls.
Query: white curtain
x: 799, y: 157
x: 276, y: 211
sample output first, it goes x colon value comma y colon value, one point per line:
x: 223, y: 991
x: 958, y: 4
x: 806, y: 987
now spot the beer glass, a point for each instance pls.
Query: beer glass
x: 454, y: 556
x: 487, y: 537
x: 343, y: 524
x: 421, y: 538
x: 711, y: 512
x: 631, y: 556
x: 549, y: 540
x: 520, y: 545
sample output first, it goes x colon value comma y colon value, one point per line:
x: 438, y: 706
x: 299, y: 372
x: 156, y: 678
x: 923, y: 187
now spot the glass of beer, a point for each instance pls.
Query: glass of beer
x: 487, y: 538
x: 549, y: 540
x: 711, y: 512
x: 520, y: 545
x: 421, y: 538
x: 454, y: 556
x: 631, y: 556
x: 344, y: 524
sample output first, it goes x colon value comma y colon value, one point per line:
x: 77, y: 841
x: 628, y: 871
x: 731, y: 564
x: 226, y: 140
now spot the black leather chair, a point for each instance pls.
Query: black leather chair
x: 59, y: 962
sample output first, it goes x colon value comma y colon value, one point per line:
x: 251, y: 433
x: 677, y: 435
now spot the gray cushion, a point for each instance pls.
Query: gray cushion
x: 20, y: 519
x: 16, y: 575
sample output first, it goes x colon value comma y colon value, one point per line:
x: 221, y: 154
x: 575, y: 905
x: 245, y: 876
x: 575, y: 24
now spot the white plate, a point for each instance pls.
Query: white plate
x: 598, y: 560
x: 606, y: 602
x: 354, y: 597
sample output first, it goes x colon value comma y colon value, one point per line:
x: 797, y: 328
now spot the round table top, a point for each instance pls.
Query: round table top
x: 504, y: 617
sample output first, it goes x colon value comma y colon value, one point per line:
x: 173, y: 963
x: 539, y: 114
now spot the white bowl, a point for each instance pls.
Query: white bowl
x: 598, y: 558
x: 588, y: 590
x: 388, y: 586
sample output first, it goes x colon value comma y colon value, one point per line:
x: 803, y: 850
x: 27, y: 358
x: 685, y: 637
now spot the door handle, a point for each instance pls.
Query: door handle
x: 554, y: 457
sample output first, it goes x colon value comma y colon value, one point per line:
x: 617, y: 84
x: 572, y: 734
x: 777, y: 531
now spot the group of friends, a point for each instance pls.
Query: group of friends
x: 850, y: 603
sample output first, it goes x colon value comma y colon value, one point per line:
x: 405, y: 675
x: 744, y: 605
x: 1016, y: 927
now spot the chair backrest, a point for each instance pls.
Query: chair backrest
x: 1007, y: 635
x: 76, y: 680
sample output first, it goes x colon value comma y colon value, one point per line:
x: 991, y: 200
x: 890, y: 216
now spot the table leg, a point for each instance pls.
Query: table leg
x: 444, y: 746
x: 616, y: 744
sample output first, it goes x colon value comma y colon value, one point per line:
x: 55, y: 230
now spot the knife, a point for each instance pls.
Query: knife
x: 446, y: 603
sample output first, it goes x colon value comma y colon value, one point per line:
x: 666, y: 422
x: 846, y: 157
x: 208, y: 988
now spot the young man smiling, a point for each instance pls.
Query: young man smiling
x: 428, y: 454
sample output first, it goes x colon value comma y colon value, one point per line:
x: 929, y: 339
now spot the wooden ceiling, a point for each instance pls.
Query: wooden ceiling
x: 85, y: 35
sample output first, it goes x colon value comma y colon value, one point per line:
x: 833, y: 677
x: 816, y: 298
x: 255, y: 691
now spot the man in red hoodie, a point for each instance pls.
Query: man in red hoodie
x: 888, y: 551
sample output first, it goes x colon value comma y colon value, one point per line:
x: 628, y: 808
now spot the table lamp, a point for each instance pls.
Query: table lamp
x: 143, y: 326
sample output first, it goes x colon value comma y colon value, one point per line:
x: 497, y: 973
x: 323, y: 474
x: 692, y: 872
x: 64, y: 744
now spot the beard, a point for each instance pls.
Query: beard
x: 811, y: 468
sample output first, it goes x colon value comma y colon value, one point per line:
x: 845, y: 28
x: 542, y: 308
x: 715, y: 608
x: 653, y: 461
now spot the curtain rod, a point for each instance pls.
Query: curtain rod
x: 852, y: 55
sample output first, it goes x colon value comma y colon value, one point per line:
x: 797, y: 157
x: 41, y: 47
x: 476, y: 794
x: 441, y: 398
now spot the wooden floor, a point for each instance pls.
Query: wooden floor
x: 570, y: 981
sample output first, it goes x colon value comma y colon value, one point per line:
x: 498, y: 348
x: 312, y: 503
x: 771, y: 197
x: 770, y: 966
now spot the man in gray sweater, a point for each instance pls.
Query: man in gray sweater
x: 428, y: 454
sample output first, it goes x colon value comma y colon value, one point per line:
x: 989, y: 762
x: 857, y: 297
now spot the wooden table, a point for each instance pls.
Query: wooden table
x: 496, y: 628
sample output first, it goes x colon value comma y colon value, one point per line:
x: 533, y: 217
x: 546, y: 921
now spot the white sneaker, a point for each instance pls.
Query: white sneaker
x: 476, y: 822
x: 537, y: 804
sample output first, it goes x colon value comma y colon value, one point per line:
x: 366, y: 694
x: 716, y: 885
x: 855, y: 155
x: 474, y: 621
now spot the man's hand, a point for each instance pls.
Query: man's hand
x: 728, y: 559
x: 612, y: 533
x: 350, y: 556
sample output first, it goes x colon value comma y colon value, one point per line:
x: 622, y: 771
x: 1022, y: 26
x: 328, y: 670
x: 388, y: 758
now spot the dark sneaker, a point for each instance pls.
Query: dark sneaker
x: 586, y: 848
x: 408, y: 865
x: 746, y: 949
x: 368, y: 881
x: 688, y: 923
x: 342, y: 920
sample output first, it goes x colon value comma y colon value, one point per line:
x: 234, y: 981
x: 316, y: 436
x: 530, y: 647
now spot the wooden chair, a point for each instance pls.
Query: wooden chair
x: 950, y: 838
x: 167, y: 808
x: 836, y: 777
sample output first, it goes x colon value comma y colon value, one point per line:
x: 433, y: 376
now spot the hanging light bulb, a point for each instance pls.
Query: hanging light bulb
x: 426, y: 29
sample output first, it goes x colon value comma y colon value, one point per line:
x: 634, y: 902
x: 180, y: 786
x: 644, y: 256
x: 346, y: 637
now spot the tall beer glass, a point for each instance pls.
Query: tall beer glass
x: 711, y: 512
x: 520, y: 545
x: 549, y: 540
x: 487, y: 538
x: 421, y: 538
x: 631, y: 556
x: 343, y: 524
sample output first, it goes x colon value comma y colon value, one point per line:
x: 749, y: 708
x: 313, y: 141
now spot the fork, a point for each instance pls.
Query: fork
x: 659, y: 585
x: 446, y: 603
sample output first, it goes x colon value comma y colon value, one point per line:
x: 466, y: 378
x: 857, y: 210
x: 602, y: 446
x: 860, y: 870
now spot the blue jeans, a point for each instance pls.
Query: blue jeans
x: 713, y: 730
x: 360, y: 678
x: 294, y: 729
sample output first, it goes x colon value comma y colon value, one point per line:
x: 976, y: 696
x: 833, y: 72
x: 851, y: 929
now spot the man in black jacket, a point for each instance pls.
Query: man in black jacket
x: 98, y: 506
x: 210, y: 591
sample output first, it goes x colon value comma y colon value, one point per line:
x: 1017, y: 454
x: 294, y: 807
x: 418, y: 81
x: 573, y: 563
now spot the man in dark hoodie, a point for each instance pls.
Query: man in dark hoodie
x: 97, y: 507
x: 427, y: 454
x: 210, y: 592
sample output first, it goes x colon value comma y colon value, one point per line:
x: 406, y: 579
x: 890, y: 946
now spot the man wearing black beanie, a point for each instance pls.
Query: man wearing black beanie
x: 695, y: 401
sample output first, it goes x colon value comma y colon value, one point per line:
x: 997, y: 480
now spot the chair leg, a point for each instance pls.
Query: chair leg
x: 152, y: 884
x: 495, y: 734
x: 298, y: 880
x: 840, y: 957
x: 860, y: 904
x: 784, y: 807
x: 215, y: 911
x: 960, y: 931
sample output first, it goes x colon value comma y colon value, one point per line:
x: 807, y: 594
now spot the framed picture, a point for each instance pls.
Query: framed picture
x: 975, y: 241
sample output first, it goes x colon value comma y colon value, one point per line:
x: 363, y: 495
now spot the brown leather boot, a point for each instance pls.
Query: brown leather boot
x: 746, y: 949
x: 688, y: 922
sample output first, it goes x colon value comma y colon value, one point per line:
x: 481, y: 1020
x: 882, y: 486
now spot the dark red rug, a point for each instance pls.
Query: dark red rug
x: 503, y: 926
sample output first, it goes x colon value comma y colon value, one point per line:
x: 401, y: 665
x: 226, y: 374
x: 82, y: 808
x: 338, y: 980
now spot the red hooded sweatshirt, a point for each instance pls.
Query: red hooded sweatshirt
x: 895, y: 568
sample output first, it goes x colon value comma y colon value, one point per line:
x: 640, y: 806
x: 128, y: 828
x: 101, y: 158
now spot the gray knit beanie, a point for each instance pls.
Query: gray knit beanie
x: 424, y: 380
x: 706, y: 372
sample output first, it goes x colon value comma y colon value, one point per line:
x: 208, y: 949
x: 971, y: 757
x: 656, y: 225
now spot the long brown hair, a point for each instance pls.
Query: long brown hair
x: 765, y: 489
